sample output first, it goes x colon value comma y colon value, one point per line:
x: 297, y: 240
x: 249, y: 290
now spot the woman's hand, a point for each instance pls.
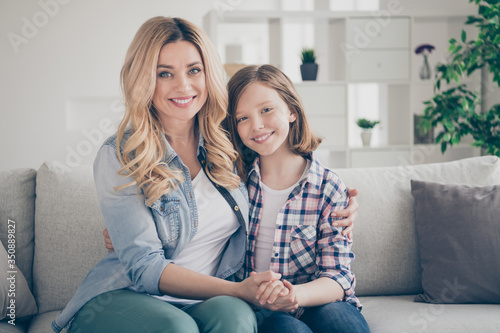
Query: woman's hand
x: 350, y: 214
x: 107, y: 241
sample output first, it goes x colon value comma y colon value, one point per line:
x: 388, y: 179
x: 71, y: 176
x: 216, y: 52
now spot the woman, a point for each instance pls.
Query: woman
x: 175, y: 211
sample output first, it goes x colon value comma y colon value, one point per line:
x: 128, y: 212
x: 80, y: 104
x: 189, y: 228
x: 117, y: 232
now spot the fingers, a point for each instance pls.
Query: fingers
x: 107, y: 241
x: 272, y: 291
x: 265, y: 276
x: 352, y: 192
x: 348, y: 232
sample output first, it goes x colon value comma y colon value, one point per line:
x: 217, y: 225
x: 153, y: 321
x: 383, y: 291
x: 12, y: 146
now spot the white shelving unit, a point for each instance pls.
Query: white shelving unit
x: 361, y: 48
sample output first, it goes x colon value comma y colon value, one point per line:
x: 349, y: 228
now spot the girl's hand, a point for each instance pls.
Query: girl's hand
x: 350, y: 214
x: 248, y: 288
x: 107, y: 241
x: 287, y: 303
x: 269, y: 291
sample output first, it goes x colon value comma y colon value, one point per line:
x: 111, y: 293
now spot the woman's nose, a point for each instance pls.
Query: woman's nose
x: 183, y: 83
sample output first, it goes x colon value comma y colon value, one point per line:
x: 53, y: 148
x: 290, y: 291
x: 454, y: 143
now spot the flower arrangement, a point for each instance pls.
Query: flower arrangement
x: 424, y: 49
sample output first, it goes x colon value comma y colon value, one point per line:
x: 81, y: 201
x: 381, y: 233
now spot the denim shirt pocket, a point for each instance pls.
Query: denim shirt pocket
x: 166, y: 213
x: 303, y: 249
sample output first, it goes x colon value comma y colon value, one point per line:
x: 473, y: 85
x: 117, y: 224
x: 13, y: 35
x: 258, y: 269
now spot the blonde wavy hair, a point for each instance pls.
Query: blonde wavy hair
x: 142, y: 154
x: 301, y: 137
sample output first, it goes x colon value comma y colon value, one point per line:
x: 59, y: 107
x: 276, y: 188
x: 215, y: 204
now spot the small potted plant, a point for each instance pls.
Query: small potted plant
x: 425, y: 50
x: 309, y: 67
x: 366, y: 129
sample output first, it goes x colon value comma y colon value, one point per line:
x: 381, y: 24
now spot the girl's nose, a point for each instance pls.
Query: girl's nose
x: 257, y: 123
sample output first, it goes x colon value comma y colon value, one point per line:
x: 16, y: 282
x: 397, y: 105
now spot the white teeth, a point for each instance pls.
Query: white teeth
x: 263, y: 137
x: 182, y: 101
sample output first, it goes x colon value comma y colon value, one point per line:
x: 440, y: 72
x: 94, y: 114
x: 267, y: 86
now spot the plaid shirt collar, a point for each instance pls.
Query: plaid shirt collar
x: 314, y: 175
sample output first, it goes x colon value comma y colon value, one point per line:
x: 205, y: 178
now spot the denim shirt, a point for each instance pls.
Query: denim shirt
x: 147, y: 238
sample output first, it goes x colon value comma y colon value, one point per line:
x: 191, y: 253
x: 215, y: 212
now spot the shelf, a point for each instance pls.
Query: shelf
x: 367, y: 69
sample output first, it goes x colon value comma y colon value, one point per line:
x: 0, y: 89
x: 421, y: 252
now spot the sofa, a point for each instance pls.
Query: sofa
x: 59, y: 227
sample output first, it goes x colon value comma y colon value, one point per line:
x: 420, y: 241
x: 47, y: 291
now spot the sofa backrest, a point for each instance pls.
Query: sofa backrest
x: 68, y: 233
x: 385, y: 243
x: 17, y: 203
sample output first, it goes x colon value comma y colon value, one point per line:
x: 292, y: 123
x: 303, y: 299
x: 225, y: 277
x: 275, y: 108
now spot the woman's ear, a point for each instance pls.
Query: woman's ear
x: 292, y: 117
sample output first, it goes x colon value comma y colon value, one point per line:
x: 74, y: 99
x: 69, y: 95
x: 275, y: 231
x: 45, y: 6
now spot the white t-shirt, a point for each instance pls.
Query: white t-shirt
x: 272, y: 202
x: 216, y: 223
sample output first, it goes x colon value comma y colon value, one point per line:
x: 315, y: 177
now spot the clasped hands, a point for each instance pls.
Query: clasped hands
x: 268, y: 291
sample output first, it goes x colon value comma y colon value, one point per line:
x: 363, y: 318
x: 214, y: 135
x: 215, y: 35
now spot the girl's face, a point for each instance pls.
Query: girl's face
x: 263, y: 120
x: 180, y: 83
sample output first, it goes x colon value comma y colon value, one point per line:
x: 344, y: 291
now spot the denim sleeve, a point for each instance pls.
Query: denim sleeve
x: 130, y: 223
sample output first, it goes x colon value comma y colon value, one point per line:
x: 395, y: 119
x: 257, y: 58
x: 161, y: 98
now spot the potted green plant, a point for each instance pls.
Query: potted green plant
x: 366, y: 129
x: 458, y: 109
x: 309, y: 67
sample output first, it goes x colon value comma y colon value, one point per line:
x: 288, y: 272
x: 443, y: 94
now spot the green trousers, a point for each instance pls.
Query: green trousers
x: 124, y: 311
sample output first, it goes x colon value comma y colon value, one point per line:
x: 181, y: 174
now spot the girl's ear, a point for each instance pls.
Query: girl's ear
x: 292, y: 117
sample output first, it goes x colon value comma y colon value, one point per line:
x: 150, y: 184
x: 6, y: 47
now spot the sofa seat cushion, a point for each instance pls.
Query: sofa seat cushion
x: 41, y: 323
x: 396, y: 314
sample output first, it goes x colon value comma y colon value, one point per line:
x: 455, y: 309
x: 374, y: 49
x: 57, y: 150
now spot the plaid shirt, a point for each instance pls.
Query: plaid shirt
x: 306, y: 245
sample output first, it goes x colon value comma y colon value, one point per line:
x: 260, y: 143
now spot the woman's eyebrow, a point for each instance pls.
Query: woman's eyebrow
x: 171, y: 67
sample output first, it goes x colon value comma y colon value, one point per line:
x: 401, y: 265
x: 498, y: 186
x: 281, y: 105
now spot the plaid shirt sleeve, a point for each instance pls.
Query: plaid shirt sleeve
x: 334, y: 255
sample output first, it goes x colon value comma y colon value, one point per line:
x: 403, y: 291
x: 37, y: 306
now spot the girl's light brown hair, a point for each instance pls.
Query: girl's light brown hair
x: 142, y: 154
x: 301, y: 137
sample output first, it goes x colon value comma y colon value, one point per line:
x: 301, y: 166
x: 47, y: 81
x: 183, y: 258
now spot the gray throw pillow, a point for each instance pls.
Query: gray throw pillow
x: 458, y: 231
x: 14, y: 287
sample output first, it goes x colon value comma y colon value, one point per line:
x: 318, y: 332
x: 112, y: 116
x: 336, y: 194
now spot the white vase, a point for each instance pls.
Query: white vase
x: 366, y: 136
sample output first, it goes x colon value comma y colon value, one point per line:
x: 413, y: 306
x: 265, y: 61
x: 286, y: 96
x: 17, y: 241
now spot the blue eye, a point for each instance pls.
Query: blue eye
x: 239, y: 120
x: 164, y: 74
x: 194, y: 71
x: 266, y: 110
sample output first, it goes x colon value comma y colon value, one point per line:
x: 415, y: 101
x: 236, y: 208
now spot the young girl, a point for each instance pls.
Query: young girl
x: 291, y: 199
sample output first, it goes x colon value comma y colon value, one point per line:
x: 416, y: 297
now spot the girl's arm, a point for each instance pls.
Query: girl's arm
x: 318, y: 292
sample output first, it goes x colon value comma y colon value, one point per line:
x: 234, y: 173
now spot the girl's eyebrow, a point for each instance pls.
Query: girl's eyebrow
x: 172, y: 67
x: 265, y: 102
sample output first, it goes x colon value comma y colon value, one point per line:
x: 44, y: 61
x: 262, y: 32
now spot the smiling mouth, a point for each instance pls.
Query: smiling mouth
x: 182, y: 101
x: 262, y: 138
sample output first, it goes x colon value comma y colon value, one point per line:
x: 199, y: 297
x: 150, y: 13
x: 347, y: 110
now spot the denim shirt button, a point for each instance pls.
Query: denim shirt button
x: 236, y: 208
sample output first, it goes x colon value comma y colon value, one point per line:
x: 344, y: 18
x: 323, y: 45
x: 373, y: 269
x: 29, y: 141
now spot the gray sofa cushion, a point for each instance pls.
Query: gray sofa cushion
x: 458, y: 230
x: 387, y: 261
x: 17, y: 198
x: 68, y: 233
x: 399, y: 314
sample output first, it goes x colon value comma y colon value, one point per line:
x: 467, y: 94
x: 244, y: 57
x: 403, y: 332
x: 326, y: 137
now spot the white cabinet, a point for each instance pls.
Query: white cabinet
x: 358, y: 49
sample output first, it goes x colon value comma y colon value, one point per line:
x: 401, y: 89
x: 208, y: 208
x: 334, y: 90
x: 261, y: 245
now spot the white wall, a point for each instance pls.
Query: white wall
x: 69, y: 66
x: 59, y: 70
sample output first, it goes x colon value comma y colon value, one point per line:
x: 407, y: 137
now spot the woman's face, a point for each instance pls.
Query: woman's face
x: 180, y: 84
x: 263, y: 120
